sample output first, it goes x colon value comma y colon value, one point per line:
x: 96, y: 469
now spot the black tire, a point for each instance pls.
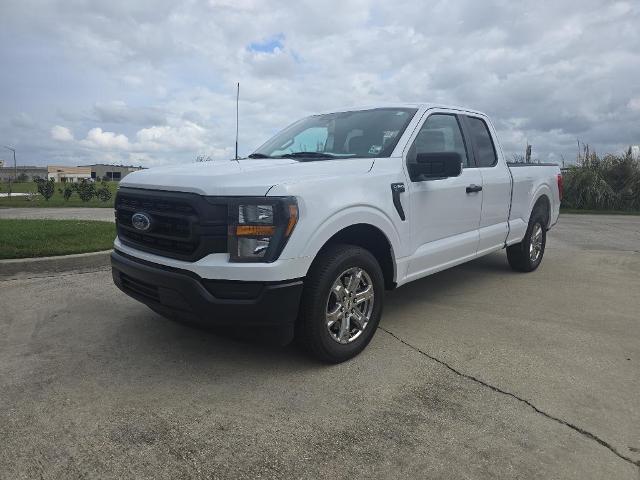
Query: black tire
x: 519, y: 255
x: 312, y: 332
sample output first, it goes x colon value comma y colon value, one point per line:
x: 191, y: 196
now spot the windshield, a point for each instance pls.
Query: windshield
x: 361, y: 133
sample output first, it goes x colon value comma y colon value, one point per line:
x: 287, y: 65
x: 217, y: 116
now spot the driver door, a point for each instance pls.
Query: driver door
x: 445, y: 213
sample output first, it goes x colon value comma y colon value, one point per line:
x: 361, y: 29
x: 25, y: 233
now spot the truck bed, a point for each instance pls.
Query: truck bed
x: 528, y: 180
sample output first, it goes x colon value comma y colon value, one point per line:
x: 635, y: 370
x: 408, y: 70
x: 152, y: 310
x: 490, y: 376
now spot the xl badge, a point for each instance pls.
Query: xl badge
x: 141, y: 221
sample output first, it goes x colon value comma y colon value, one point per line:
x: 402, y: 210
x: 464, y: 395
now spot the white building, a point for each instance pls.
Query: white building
x: 635, y: 152
x: 68, y: 174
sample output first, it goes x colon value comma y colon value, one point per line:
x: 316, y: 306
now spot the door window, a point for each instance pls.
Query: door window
x: 485, y: 150
x: 440, y: 133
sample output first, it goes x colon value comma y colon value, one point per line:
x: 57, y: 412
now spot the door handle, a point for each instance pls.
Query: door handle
x: 474, y: 188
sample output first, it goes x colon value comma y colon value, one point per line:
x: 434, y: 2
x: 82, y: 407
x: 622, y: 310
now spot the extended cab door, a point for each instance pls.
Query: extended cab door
x: 496, y: 182
x: 444, y: 213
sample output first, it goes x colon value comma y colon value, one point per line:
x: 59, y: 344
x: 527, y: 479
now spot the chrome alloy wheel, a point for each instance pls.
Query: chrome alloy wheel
x: 535, y: 246
x: 350, y: 305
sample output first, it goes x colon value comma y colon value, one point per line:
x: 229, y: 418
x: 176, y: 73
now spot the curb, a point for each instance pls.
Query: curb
x: 47, y: 265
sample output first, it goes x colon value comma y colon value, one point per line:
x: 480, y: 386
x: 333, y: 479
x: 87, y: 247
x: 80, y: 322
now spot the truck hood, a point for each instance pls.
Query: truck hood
x: 250, y: 177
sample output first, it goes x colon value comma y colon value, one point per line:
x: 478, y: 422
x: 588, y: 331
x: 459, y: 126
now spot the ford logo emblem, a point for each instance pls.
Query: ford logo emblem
x: 141, y: 221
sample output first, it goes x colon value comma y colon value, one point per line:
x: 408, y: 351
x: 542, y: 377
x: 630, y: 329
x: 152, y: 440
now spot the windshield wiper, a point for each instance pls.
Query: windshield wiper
x: 308, y: 155
x: 297, y: 155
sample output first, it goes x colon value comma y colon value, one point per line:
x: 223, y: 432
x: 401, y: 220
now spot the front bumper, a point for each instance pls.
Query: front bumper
x: 217, y: 266
x: 179, y: 293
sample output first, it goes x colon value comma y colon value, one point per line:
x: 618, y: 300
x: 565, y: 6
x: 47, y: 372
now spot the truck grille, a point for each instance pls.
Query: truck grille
x: 184, y: 226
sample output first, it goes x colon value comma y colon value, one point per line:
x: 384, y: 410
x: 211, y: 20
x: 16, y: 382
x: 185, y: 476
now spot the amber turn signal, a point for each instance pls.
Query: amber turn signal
x: 293, y: 219
x: 255, y: 230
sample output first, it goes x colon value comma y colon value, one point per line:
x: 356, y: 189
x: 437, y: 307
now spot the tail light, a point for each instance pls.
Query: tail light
x: 560, y: 186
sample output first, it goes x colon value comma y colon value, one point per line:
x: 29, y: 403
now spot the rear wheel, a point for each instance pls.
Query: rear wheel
x: 341, y: 303
x: 527, y: 255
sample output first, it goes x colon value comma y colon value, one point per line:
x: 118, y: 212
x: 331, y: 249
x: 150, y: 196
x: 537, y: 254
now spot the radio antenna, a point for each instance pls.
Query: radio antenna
x: 237, y: 120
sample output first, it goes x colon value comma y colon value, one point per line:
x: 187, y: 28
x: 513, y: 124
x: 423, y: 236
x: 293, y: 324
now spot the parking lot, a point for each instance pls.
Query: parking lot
x: 476, y: 372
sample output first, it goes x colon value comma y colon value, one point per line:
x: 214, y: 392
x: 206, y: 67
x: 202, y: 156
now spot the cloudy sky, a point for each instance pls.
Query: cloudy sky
x: 153, y: 82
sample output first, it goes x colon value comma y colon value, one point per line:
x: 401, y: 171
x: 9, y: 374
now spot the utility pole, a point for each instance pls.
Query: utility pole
x: 15, y: 166
x: 237, y: 117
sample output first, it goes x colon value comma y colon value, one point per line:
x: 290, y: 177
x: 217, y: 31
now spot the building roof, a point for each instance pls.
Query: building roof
x: 111, y: 165
x: 67, y: 169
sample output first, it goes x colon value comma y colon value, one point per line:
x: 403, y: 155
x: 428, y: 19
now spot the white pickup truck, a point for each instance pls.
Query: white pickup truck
x: 303, y: 237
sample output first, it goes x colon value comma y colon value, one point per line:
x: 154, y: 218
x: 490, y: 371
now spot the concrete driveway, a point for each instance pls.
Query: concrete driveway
x: 477, y: 372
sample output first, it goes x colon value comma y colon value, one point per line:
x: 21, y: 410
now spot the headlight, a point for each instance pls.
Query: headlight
x: 260, y: 227
x: 262, y: 214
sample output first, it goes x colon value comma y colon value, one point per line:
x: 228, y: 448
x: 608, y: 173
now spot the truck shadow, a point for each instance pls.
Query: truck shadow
x: 439, y: 284
x: 172, y: 342
x: 259, y: 344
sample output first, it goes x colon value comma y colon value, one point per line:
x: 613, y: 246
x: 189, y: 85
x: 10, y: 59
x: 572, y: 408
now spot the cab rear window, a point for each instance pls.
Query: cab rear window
x: 483, y: 143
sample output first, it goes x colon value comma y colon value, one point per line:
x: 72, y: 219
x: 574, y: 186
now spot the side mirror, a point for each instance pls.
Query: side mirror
x: 436, y: 165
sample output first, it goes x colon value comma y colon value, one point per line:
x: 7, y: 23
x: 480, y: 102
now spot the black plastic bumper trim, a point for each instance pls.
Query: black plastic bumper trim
x: 179, y: 293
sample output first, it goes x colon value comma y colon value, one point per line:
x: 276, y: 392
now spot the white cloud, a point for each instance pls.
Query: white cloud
x: 62, y: 134
x: 155, y: 81
x: 96, y: 138
x: 132, y: 80
x: 186, y: 136
x: 634, y: 104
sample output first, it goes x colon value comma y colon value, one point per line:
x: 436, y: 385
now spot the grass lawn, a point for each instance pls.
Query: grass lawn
x: 598, y: 212
x: 56, y: 201
x: 18, y: 187
x: 43, y: 238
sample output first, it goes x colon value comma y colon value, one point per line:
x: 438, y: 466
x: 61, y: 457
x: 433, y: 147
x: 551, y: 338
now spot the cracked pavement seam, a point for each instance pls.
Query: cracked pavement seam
x: 581, y: 431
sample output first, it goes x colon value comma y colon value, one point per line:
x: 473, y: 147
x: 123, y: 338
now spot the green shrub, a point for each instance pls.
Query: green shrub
x: 86, y: 190
x: 608, y: 183
x: 46, y: 188
x: 67, y: 191
x: 103, y: 193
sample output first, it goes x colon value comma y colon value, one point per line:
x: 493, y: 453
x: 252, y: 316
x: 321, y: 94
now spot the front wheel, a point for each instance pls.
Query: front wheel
x: 527, y: 255
x: 341, y: 303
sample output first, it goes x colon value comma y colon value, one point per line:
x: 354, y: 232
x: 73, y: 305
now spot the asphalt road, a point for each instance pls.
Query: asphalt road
x: 477, y: 372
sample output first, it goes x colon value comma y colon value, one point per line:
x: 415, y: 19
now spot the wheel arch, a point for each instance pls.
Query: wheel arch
x: 543, y: 202
x: 372, y: 239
